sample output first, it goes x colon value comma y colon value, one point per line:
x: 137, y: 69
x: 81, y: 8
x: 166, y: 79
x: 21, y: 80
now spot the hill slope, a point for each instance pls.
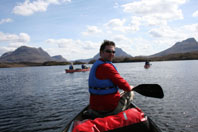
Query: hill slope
x: 119, y: 53
x: 27, y: 54
x: 188, y: 45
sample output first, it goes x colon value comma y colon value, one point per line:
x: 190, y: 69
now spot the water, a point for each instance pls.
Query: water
x: 44, y: 99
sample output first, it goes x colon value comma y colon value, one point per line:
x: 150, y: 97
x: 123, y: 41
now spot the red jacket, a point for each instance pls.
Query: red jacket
x: 108, y: 102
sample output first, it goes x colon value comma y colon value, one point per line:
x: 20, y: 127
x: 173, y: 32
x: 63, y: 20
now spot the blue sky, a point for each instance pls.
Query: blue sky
x: 75, y: 29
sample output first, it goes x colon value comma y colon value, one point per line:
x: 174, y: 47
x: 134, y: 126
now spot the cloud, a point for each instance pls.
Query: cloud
x: 4, y: 49
x: 123, y: 25
x: 189, y: 31
x: 13, y: 41
x: 165, y: 36
x: 28, y: 8
x: 178, y: 33
x: 163, y: 31
x: 120, y: 38
x: 134, y: 46
x: 116, y: 25
x: 135, y: 23
x: 73, y: 49
x: 6, y: 20
x: 152, y: 11
x: 13, y: 38
x: 92, y: 30
x: 116, y: 5
x: 71, y: 44
x: 195, y: 14
x: 123, y: 42
x: 61, y: 43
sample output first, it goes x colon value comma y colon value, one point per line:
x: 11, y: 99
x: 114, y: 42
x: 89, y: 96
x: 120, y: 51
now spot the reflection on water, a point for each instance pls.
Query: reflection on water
x: 44, y: 99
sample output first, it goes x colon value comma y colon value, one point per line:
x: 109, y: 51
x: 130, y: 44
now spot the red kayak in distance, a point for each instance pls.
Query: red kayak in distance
x: 76, y: 70
x: 147, y: 66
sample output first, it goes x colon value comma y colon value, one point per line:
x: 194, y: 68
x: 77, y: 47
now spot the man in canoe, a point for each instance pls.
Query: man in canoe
x: 83, y: 66
x: 104, y: 82
x: 147, y: 62
x: 71, y: 67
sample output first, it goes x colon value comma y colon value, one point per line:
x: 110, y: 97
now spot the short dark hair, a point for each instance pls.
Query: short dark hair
x: 106, y: 43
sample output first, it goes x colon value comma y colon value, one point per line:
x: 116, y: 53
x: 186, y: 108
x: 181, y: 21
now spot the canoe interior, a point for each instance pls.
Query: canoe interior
x: 140, y: 127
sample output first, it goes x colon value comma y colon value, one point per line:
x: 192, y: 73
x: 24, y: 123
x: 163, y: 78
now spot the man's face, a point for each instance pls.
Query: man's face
x: 108, y: 53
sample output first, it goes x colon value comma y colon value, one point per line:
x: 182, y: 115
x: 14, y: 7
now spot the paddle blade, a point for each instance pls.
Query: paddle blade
x: 149, y: 90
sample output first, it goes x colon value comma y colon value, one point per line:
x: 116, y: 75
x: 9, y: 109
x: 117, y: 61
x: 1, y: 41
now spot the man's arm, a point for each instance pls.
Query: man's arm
x: 107, y: 71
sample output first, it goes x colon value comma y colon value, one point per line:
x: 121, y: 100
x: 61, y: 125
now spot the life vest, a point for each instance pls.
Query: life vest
x: 122, y: 120
x: 71, y: 67
x: 100, y: 87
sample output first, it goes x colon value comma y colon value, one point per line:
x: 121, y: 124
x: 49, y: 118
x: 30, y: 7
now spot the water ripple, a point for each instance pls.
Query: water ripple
x: 44, y: 99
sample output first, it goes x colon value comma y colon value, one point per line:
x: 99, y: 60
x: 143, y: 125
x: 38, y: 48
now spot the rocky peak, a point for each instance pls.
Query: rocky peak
x: 119, y: 53
x: 188, y: 45
x: 59, y: 58
x: 188, y: 41
x: 28, y: 54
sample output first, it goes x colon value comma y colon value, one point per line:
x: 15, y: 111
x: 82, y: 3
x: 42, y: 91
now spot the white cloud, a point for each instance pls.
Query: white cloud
x: 189, y: 30
x: 92, y: 30
x: 117, y: 25
x: 5, y: 49
x: 142, y: 46
x: 163, y: 31
x: 13, y: 41
x: 195, y: 14
x: 152, y: 11
x: 116, y: 5
x: 134, y: 46
x: 120, y: 38
x: 13, y: 38
x: 6, y: 20
x: 161, y: 38
x: 61, y: 43
x: 179, y: 33
x: 73, y: 49
x: 135, y: 23
x: 28, y: 8
x: 164, y: 37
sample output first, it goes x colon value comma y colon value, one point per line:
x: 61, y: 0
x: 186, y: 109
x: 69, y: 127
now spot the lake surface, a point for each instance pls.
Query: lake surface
x: 44, y: 99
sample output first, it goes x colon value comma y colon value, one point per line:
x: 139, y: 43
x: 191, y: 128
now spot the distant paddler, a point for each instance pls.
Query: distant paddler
x: 71, y: 67
x: 147, y: 64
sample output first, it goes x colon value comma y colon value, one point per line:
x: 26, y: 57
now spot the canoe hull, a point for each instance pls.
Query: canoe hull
x: 147, y: 66
x: 76, y: 70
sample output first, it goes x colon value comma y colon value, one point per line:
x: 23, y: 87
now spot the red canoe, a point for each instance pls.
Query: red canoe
x: 77, y: 70
x: 147, y: 66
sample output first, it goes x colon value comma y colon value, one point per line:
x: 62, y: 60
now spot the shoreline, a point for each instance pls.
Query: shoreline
x: 15, y: 65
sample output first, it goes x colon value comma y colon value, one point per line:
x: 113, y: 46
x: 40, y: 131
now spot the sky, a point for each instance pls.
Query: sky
x: 75, y: 29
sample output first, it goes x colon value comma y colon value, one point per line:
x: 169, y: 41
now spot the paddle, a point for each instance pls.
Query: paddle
x: 149, y: 90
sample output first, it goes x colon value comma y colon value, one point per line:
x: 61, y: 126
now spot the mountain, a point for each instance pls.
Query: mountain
x: 27, y: 54
x: 188, y: 45
x: 59, y: 58
x: 119, y: 53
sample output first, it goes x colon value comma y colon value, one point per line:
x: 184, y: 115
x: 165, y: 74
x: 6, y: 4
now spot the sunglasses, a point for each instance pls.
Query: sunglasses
x: 110, y: 51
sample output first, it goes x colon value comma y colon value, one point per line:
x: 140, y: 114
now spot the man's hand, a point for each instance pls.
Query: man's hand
x: 131, y: 87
